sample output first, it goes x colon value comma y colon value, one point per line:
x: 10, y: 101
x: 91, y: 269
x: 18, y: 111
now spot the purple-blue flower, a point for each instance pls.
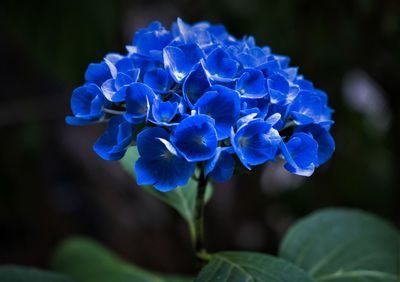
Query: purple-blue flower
x: 179, y: 60
x: 195, y: 138
x: 114, y: 142
x: 199, y: 97
x: 256, y: 142
x: 87, y: 104
x: 223, y: 105
x: 139, y: 97
x: 300, y: 153
x: 221, y: 167
x: 160, y: 164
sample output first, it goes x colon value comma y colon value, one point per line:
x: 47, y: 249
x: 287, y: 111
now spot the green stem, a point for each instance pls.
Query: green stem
x: 198, y: 241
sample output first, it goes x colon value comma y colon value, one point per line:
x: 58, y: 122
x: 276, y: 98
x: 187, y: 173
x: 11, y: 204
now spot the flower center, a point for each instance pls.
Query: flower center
x: 242, y: 141
x: 143, y: 109
x: 200, y: 140
x: 167, y: 155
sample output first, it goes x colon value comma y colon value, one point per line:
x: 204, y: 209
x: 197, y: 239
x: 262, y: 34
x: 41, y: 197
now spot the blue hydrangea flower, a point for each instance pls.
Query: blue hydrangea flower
x: 310, y: 108
x: 195, y: 84
x: 256, y: 142
x: 223, y: 105
x: 158, y: 79
x: 220, y: 66
x: 150, y: 41
x: 123, y: 73
x: 97, y: 73
x: 199, y: 97
x: 114, y: 142
x: 300, y: 152
x: 160, y: 164
x: 87, y: 104
x: 179, y: 60
x: 195, y: 138
x: 138, y: 99
x: 221, y: 167
x: 326, y: 144
x: 251, y: 84
x: 164, y: 112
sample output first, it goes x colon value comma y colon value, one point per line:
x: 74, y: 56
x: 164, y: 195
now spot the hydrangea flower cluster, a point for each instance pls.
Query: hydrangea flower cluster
x: 197, y: 96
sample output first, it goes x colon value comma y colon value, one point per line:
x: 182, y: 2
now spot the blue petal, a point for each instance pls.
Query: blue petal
x: 144, y: 63
x: 221, y: 66
x: 124, y: 65
x: 146, y: 171
x: 109, y: 89
x: 309, y: 108
x: 218, y: 31
x: 260, y: 106
x: 254, y: 57
x: 300, y: 153
x: 246, y: 119
x: 151, y: 39
x: 250, y: 41
x: 78, y: 121
x: 259, y: 54
x: 197, y: 33
x: 114, y: 142
x: 184, y: 30
x: 250, y: 111
x: 283, y: 60
x: 195, y: 84
x: 203, y: 38
x: 195, y: 138
x: 97, y: 73
x: 221, y: 166
x: 114, y: 88
x: 158, y: 79
x: 122, y: 80
x: 273, y: 119
x: 247, y: 60
x: 256, y: 142
x: 182, y: 105
x: 304, y: 84
x: 87, y: 102
x: 157, y: 165
x: 278, y: 88
x: 180, y: 60
x: 138, y: 99
x: 251, y: 84
x: 148, y: 145
x: 153, y: 26
x: 270, y: 67
x: 223, y: 105
x: 120, y: 95
x: 290, y: 73
x: 164, y: 174
x: 326, y: 143
x: 164, y: 111
x: 111, y: 59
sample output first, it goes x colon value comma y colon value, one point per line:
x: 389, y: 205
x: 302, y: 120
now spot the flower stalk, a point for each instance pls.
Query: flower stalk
x: 198, y: 241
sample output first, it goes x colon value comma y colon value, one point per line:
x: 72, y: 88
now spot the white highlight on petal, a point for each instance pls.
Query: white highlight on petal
x: 169, y: 146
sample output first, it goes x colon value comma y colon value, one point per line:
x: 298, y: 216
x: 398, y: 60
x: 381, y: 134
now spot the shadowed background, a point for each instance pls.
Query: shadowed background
x: 53, y: 185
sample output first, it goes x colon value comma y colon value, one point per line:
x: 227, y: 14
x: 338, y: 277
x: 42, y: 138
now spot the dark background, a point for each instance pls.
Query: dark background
x: 54, y: 186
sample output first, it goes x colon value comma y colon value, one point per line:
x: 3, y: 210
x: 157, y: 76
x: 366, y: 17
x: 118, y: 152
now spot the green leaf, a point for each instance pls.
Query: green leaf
x: 344, y: 245
x: 88, y: 261
x: 247, y: 266
x: 13, y: 273
x: 182, y: 198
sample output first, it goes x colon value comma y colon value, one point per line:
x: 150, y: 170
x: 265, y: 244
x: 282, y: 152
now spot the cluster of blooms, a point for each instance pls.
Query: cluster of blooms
x: 196, y: 95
